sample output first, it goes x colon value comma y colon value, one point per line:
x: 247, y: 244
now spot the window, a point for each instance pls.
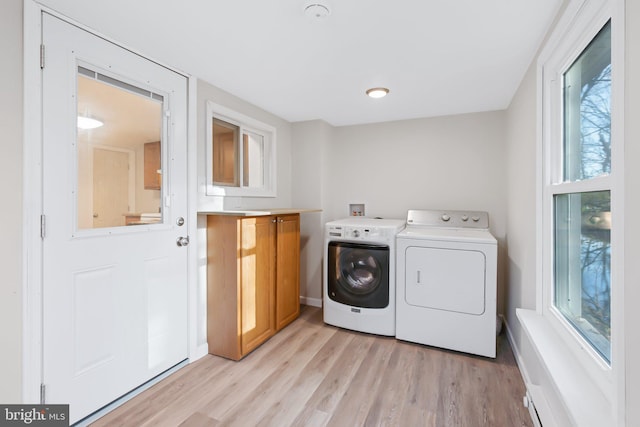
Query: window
x: 582, y: 217
x: 119, y: 161
x: 583, y: 265
x: 580, y: 168
x: 578, y: 326
x: 240, y: 154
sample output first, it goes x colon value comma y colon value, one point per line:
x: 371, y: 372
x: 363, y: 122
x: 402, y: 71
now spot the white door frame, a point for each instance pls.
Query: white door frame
x: 32, y: 204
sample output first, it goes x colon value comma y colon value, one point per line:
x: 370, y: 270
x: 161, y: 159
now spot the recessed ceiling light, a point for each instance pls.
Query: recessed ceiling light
x: 377, y: 92
x: 88, y: 123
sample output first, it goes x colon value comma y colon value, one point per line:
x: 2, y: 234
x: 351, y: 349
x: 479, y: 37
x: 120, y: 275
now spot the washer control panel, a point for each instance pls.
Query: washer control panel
x: 354, y: 233
x: 362, y: 229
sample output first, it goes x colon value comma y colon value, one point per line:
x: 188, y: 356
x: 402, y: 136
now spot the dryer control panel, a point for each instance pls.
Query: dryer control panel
x: 449, y: 219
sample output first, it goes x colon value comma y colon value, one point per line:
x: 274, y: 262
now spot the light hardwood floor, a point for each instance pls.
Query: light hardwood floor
x: 312, y: 374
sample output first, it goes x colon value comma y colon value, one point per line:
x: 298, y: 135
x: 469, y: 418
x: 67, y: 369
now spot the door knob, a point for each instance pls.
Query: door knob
x: 182, y: 241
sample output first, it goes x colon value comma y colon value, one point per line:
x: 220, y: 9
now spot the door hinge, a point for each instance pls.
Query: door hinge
x: 42, y: 226
x: 43, y: 391
x: 42, y: 56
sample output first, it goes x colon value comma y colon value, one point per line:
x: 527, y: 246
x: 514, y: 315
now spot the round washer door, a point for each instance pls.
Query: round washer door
x: 358, y: 274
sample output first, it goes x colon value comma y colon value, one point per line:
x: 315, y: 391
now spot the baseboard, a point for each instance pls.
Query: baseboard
x: 201, y: 351
x: 525, y: 375
x: 516, y: 351
x: 314, y: 302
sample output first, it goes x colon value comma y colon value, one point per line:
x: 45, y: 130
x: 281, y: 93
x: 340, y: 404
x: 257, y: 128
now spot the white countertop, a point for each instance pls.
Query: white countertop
x: 260, y: 212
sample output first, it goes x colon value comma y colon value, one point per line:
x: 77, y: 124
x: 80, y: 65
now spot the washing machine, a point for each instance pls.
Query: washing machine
x: 359, y: 274
x: 447, y: 281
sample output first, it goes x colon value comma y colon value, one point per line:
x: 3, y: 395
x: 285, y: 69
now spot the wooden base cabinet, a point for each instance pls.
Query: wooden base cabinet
x: 253, y: 280
x: 287, y: 269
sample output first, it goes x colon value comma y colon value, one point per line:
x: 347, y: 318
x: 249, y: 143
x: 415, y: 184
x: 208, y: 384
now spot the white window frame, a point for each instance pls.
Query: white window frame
x: 581, y: 22
x: 245, y: 124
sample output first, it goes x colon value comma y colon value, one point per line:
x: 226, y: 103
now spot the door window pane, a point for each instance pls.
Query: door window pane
x: 119, y: 153
x: 587, y: 111
x: 583, y: 265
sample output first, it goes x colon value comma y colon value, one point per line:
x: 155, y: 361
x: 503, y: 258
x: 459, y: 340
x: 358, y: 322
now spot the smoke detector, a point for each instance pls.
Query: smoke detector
x: 317, y: 11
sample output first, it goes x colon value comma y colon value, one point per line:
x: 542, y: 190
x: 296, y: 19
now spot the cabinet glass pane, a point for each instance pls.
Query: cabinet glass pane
x: 582, y: 288
x: 587, y: 111
x: 119, y: 134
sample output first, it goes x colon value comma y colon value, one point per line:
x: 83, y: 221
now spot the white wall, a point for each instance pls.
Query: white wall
x: 453, y: 162
x: 521, y: 134
x: 632, y: 207
x: 311, y: 141
x: 521, y: 196
x: 521, y: 235
x: 11, y: 250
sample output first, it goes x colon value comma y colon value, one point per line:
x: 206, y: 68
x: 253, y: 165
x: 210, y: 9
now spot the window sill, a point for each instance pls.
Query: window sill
x: 583, y: 400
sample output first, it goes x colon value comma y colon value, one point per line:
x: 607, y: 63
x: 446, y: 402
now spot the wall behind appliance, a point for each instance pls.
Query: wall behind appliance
x: 11, y: 173
x: 311, y: 140
x: 452, y: 162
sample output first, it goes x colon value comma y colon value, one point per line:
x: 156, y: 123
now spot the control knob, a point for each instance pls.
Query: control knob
x: 356, y: 233
x: 445, y: 217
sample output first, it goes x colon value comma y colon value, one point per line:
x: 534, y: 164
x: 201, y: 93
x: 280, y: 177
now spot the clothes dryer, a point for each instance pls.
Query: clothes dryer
x: 359, y: 274
x: 447, y: 281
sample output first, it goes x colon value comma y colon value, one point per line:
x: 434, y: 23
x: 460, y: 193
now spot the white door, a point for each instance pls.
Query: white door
x: 114, y: 297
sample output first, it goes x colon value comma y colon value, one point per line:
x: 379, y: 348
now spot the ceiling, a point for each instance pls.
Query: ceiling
x: 437, y: 57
